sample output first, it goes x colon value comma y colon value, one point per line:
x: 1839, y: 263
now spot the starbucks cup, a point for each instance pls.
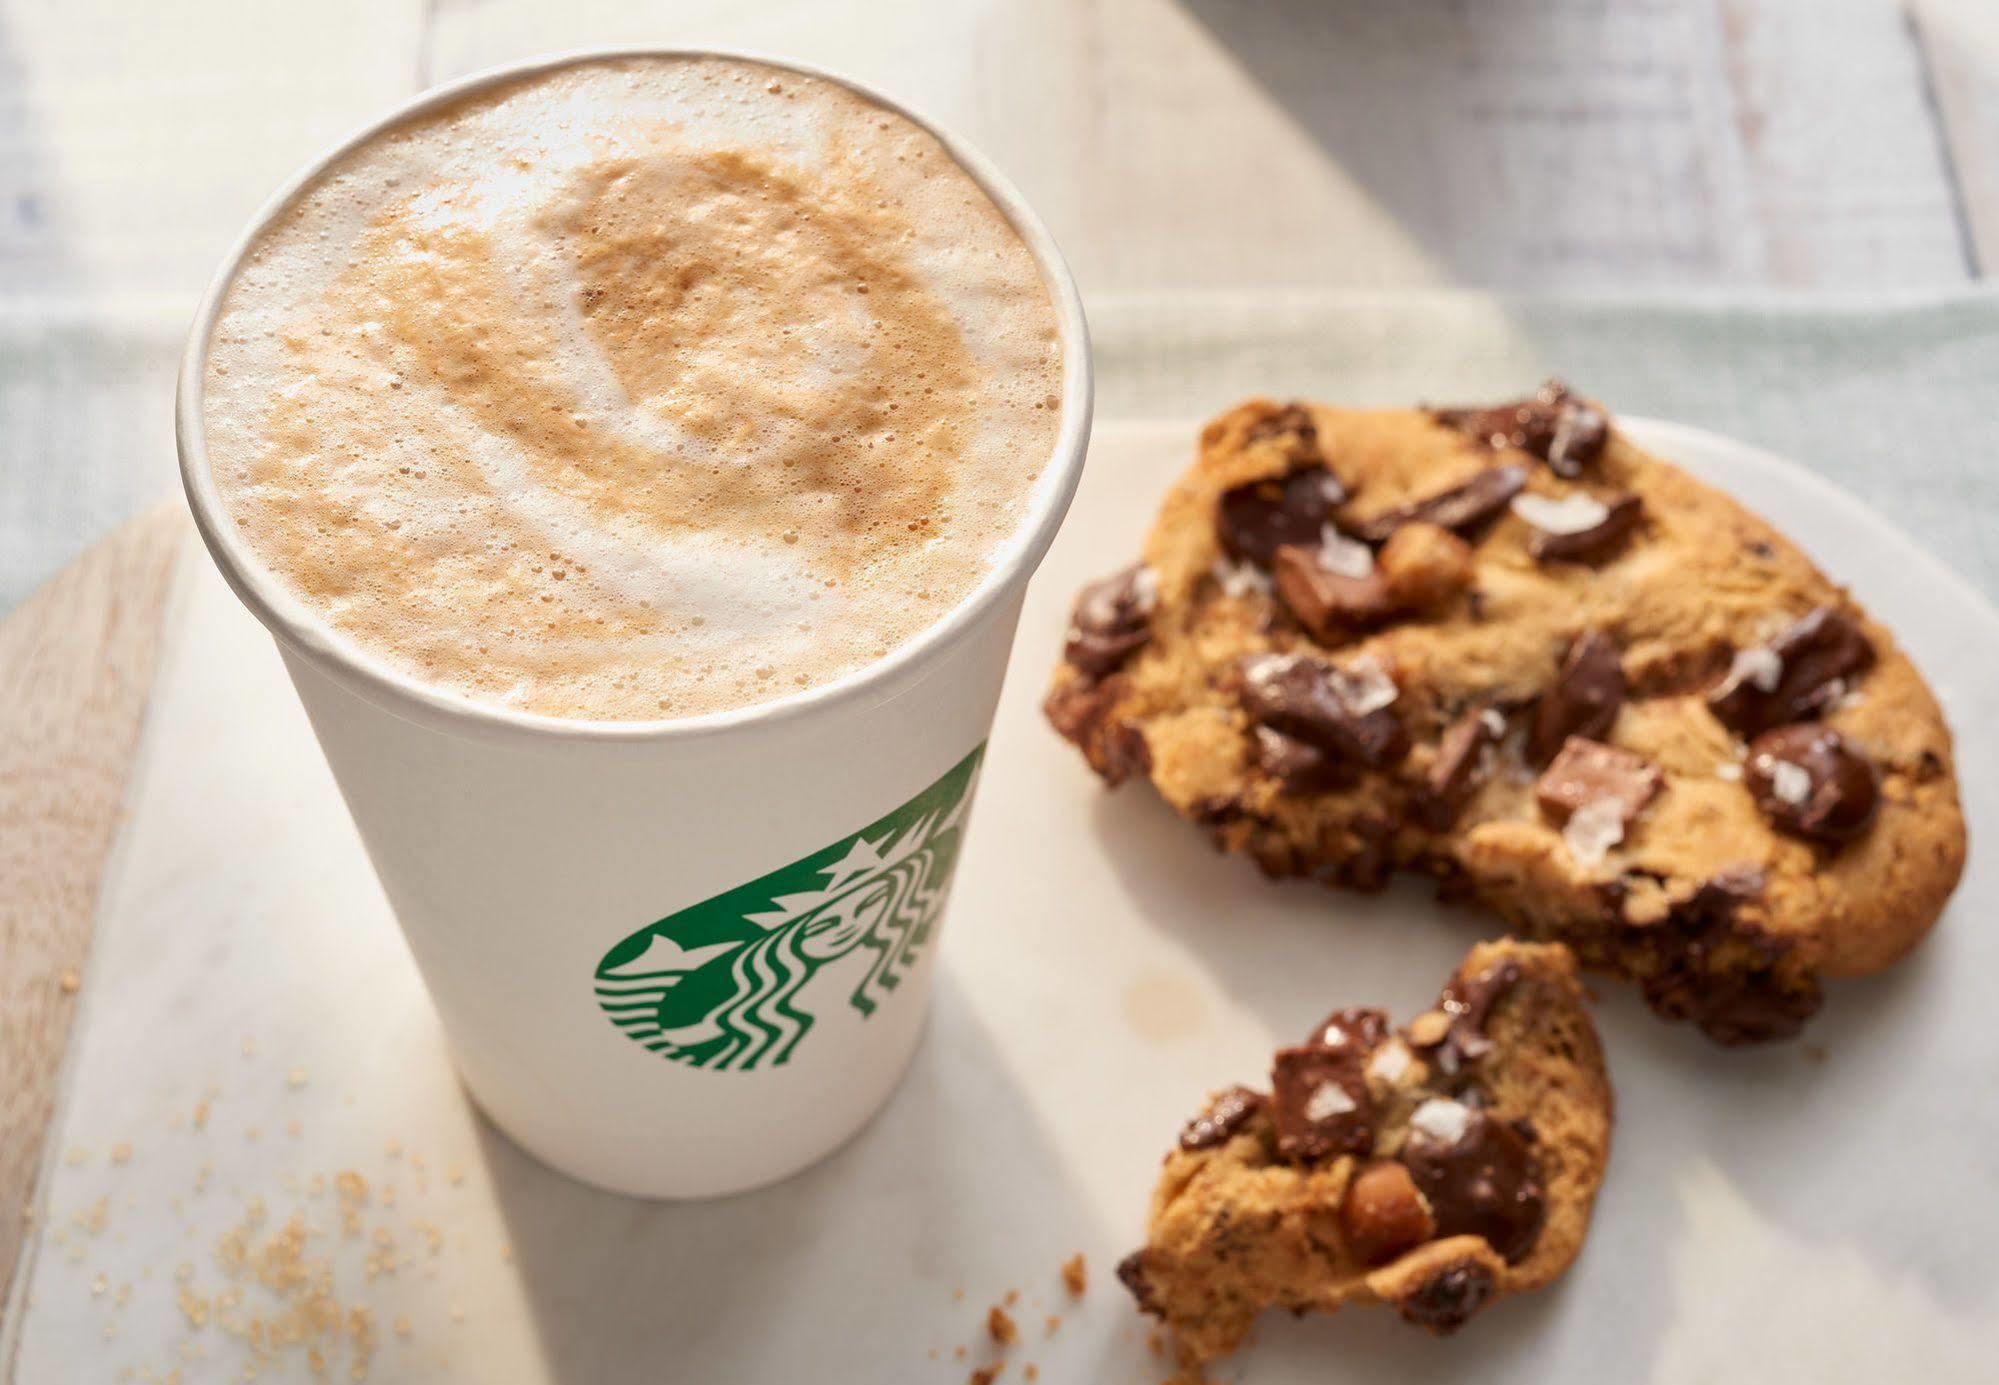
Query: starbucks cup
x: 672, y: 958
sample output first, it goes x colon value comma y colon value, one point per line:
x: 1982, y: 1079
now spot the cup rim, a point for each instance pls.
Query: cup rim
x: 302, y: 632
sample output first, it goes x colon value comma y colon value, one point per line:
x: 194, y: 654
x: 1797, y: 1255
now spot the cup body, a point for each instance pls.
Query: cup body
x: 678, y: 958
x: 518, y: 870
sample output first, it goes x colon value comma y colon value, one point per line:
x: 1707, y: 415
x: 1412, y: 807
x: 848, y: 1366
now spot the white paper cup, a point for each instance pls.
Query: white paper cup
x: 673, y: 958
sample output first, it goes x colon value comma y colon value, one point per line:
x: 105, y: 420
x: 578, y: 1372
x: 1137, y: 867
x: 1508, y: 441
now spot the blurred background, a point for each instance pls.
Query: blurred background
x: 1180, y: 149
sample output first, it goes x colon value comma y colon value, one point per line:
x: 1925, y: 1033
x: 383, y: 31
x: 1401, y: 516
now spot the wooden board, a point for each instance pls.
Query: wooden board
x: 76, y: 663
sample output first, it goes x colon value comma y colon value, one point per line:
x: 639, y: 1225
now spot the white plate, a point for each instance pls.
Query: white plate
x: 1767, y: 1217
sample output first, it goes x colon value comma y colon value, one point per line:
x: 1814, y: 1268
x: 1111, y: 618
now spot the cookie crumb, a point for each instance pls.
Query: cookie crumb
x: 70, y: 982
x: 1001, y: 1327
x: 1075, y: 1275
x: 984, y: 1375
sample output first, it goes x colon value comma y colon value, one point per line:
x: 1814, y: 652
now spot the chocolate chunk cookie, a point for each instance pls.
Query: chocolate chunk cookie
x: 1507, y: 647
x: 1436, y: 1169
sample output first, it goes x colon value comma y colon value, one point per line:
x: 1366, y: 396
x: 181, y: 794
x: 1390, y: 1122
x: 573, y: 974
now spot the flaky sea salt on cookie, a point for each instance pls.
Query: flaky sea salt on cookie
x: 1436, y: 1170
x: 1507, y: 647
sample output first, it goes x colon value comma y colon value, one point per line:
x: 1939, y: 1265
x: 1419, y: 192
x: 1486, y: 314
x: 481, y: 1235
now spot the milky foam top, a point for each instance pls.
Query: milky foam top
x: 642, y: 388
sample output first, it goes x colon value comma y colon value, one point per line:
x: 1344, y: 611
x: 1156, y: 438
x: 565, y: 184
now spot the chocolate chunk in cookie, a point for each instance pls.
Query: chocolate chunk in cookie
x: 1339, y: 588
x: 1478, y: 1174
x: 1464, y: 509
x: 1131, y: 1274
x: 1253, y: 521
x: 1319, y: 1103
x: 1333, y: 588
x: 1292, y: 429
x: 1464, y: 759
x: 1580, y: 434
x: 1591, y: 774
x: 1733, y: 979
x: 1807, y: 780
x: 1559, y: 426
x: 1360, y: 1030
x: 1112, y: 619
x: 1448, y: 1299
x: 1297, y: 767
x: 1460, y: 1040
x: 1795, y: 677
x: 1727, y: 890
x: 1225, y: 1115
x: 1578, y: 528
x: 1348, y: 714
x: 1584, y: 700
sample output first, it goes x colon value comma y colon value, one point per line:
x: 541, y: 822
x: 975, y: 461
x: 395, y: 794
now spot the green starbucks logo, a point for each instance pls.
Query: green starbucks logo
x: 717, y: 985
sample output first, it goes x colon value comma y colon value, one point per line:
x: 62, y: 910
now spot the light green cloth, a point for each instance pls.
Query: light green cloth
x: 1896, y: 401
x: 86, y: 429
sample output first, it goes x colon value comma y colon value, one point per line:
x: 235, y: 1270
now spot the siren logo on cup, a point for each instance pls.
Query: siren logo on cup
x: 726, y: 983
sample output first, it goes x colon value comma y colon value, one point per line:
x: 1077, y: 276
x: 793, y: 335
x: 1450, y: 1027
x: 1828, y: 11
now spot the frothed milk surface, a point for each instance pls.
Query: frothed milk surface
x: 642, y: 388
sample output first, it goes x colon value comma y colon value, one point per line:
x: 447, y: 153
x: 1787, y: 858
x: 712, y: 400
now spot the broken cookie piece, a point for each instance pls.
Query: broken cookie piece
x: 1436, y: 1170
x: 1374, y: 632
